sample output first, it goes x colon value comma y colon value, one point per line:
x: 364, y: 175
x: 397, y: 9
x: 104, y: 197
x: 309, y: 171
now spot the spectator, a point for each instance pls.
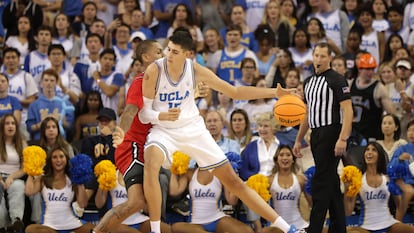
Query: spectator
x: 387, y: 75
x: 372, y: 41
x: 302, y: 53
x: 207, y: 215
x: 163, y: 12
x: 380, y: 9
x: 394, y: 42
x: 83, y: 22
x: 376, y: 213
x: 369, y: 99
x: 278, y: 71
x: 62, y: 34
x: 266, y: 53
x: 317, y: 34
x: 334, y: 21
x: 123, y: 53
x: 214, y: 14
x: 395, y: 19
x: 55, y: 182
x: 134, y: 70
x: 129, y: 7
x: 212, y: 43
x: 183, y: 17
x: 11, y: 171
x: 24, y: 40
x: 215, y: 124
x: 138, y: 24
x: 21, y: 84
x: 226, y: 63
x: 86, y: 124
x: 257, y: 157
x: 286, y: 186
x: 9, y: 104
x: 253, y: 11
x: 88, y: 65
x: 48, y: 104
x: 51, y: 137
x: 15, y: 9
x: 288, y: 10
x: 36, y: 61
x: 339, y: 65
x: 281, y: 27
x: 350, y: 8
x: 239, y: 129
x: 238, y: 17
x: 353, y: 43
x: 69, y: 83
x: 248, y: 68
x: 390, y: 134
x: 106, y: 80
x: 98, y: 27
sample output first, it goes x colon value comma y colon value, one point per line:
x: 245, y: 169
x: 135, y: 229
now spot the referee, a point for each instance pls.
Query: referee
x: 329, y: 115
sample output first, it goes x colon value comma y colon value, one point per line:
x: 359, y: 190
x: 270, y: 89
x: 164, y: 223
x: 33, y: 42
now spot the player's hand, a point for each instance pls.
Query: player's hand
x: 117, y: 137
x: 340, y: 147
x: 172, y: 115
x: 202, y: 90
x: 296, y: 150
x: 280, y: 91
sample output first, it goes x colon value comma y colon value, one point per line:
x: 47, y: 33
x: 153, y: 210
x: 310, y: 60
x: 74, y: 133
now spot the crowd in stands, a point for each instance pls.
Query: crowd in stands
x: 67, y: 65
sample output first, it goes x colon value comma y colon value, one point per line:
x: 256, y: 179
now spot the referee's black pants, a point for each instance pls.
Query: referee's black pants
x: 326, y: 192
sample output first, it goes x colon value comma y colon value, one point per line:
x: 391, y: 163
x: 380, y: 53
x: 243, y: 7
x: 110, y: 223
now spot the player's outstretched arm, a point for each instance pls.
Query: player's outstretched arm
x: 243, y: 93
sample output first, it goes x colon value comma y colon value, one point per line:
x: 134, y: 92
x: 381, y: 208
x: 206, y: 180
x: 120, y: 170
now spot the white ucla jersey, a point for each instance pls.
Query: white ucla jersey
x: 66, y: 42
x: 254, y: 12
x: 57, y: 210
x: 118, y: 196
x: 84, y: 52
x: 299, y: 59
x: 170, y: 94
x: 123, y: 59
x: 12, y: 41
x: 380, y: 25
x: 375, y: 214
x: 370, y: 44
x: 332, y: 23
x: 38, y: 63
x: 205, y: 200
x: 286, y: 202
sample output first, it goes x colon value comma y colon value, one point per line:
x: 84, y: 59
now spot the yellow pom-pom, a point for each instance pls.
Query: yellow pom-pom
x: 34, y: 159
x: 353, y: 176
x: 180, y: 163
x: 260, y: 184
x: 106, y: 173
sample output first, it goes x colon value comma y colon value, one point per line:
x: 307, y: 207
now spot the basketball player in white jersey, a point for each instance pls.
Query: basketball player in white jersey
x: 168, y: 86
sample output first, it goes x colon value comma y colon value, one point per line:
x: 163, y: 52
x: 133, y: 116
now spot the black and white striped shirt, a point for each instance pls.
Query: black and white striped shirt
x: 323, y: 93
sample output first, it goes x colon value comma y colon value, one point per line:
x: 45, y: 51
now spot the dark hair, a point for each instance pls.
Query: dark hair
x: 60, y: 141
x: 357, y: 29
x: 388, y: 54
x: 265, y: 32
x: 276, y: 155
x: 397, y: 9
x: 410, y: 123
x: 123, y: 25
x: 30, y: 34
x: 382, y: 158
x: 323, y: 45
x: 5, y: 76
x: 143, y: 47
x: 366, y: 7
x: 397, y: 123
x: 107, y: 51
x: 189, y: 20
x: 247, y: 133
x: 69, y: 29
x: 308, y: 45
x: 247, y: 59
x: 11, y: 50
x: 90, y: 35
x: 85, y: 108
x: 182, y: 39
x: 234, y: 27
x: 322, y: 32
x: 48, y: 178
x: 17, y: 138
x: 56, y: 46
x: 44, y: 28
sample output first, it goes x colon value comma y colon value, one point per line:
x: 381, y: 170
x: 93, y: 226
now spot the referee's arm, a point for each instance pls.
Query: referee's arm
x: 347, y: 114
x: 304, y: 127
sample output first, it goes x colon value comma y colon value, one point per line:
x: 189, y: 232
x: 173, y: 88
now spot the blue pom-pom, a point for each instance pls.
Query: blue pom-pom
x: 394, y: 188
x: 398, y: 170
x: 235, y: 160
x: 309, y: 175
x: 81, y: 169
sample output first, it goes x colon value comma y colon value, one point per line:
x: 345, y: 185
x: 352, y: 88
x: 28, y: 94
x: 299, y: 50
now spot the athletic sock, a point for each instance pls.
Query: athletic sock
x: 155, y: 226
x: 281, y: 223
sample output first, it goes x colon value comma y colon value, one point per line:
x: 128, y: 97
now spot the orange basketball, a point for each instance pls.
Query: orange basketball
x: 289, y: 110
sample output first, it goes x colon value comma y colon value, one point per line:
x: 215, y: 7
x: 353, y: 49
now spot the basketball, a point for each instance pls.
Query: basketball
x: 289, y: 110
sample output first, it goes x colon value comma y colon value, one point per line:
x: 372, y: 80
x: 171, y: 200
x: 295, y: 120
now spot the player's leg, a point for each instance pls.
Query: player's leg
x: 248, y: 196
x: 154, y: 157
